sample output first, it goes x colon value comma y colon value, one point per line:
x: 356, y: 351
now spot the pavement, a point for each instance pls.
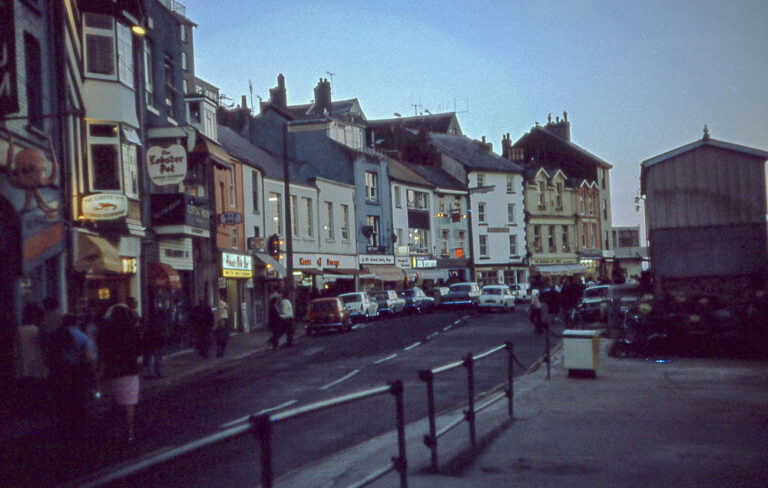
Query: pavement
x: 679, y: 422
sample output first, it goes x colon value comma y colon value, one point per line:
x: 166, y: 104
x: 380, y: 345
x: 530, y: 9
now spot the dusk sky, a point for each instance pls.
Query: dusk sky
x: 636, y: 78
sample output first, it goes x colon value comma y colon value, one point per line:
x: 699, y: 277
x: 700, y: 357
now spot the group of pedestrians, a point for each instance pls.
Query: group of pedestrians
x: 66, y: 359
x: 280, y: 319
x: 207, y: 330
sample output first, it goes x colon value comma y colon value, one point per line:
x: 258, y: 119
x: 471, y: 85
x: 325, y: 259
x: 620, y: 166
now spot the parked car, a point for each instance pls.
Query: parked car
x: 596, y: 303
x: 520, y: 292
x: 438, y: 293
x: 388, y: 302
x: 496, y: 297
x: 327, y: 313
x: 360, y: 305
x: 416, y: 301
x: 462, y: 295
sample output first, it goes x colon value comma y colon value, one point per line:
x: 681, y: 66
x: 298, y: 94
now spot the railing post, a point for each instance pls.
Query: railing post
x: 401, y: 462
x: 510, y: 377
x: 430, y: 440
x: 546, y: 342
x: 469, y: 415
x: 263, y: 429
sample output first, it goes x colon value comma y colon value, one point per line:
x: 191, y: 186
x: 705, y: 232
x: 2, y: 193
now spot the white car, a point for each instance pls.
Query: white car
x: 496, y: 297
x: 360, y: 305
x: 520, y: 292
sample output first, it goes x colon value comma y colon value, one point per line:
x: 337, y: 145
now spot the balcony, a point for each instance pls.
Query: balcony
x: 174, y: 6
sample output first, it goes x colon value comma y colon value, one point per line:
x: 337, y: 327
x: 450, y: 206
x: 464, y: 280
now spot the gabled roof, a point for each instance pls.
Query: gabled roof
x: 402, y: 173
x: 472, y: 154
x: 339, y: 109
x: 541, y: 132
x: 439, y: 177
x: 433, y: 122
x: 705, y: 142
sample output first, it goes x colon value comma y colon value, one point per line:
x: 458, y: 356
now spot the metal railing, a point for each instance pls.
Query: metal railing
x: 263, y: 424
x: 428, y: 375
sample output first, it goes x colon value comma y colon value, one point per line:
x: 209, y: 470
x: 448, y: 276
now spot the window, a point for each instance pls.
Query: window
x: 329, y: 221
x: 591, y: 204
x: 148, y: 81
x: 400, y: 236
x: 275, y: 213
x: 441, y: 205
x: 565, y: 239
x: 130, y: 170
x: 483, y: 245
x: 537, y: 237
x: 232, y: 188
x: 345, y: 222
x: 294, y: 215
x: 602, y: 177
x: 417, y: 200
x: 581, y: 204
x: 104, y: 157
x: 169, y: 91
x: 480, y: 179
x: 398, y: 198
x: 542, y: 194
x: 371, y: 183
x: 256, y: 231
x: 194, y: 112
x: 605, y: 209
x: 183, y: 33
x: 223, y: 194
x: 306, y: 203
x: 510, y: 184
x: 583, y: 235
x: 184, y: 64
x: 551, y: 238
x: 511, y: 213
x: 445, y: 235
x: 99, y: 46
x: 125, y: 54
x: 513, y: 245
x: 185, y: 86
x: 559, y: 196
x: 255, y: 191
x: 235, y: 244
x: 372, y: 221
x: 34, y: 74
x: 460, y: 237
x: 481, y: 213
x: 594, y: 236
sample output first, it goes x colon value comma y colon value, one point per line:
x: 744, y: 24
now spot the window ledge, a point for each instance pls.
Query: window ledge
x: 152, y: 109
x: 172, y: 121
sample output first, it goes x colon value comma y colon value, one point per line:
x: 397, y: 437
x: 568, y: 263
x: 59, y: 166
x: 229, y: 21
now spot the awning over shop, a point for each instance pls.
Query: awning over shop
x: 309, y: 271
x: 385, y: 272
x: 343, y: 271
x: 270, y: 263
x: 215, y: 152
x: 162, y: 276
x: 96, y: 255
x: 561, y: 269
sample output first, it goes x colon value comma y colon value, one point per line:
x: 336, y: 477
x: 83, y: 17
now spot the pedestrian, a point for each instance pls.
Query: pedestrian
x: 119, y: 342
x: 72, y: 372
x: 201, y: 322
x: 273, y: 317
x: 152, y: 342
x: 286, y: 316
x: 535, y: 312
x: 31, y: 370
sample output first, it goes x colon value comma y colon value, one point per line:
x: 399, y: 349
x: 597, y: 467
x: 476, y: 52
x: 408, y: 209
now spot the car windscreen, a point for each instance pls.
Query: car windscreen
x: 491, y: 291
x: 381, y: 295
x: 323, y: 307
x: 350, y: 298
x: 595, y: 292
x: 460, y: 288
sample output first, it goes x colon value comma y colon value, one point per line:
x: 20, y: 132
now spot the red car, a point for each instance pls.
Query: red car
x: 327, y: 313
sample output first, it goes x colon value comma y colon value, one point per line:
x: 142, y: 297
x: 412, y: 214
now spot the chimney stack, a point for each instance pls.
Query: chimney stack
x: 243, y: 102
x: 277, y: 97
x: 322, y: 96
x: 561, y: 128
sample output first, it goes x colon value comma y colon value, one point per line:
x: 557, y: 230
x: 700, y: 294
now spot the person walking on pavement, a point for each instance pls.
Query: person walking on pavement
x: 286, y: 316
x: 273, y: 316
x: 119, y: 343
x: 221, y: 332
x: 201, y: 321
x: 152, y: 342
x: 535, y: 312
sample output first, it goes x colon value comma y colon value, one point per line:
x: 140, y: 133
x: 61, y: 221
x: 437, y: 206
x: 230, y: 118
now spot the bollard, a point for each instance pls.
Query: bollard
x: 262, y: 426
x: 430, y: 440
x: 510, y: 377
x: 470, y: 413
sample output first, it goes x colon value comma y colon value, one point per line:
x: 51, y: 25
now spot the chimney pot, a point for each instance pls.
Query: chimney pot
x: 244, y: 102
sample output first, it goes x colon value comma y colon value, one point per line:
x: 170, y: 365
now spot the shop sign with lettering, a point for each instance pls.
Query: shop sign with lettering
x: 167, y: 165
x: 104, y: 206
x: 236, y: 265
x: 424, y: 262
x: 320, y: 261
x: 376, y: 259
x: 404, y: 262
x: 230, y: 218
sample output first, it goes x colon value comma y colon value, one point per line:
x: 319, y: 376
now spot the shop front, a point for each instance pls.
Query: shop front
x: 382, y: 272
x: 106, y: 276
x: 236, y: 288
x: 456, y: 269
x: 424, y: 272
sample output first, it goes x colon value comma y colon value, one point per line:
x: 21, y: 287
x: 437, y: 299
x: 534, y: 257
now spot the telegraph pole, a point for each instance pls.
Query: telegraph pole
x: 288, y: 218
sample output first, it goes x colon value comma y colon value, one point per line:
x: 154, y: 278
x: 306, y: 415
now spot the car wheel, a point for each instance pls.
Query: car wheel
x: 620, y: 350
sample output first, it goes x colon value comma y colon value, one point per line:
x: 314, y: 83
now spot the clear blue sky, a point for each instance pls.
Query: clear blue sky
x: 637, y: 78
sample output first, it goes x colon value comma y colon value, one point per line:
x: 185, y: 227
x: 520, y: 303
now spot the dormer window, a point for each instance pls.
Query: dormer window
x: 108, y: 49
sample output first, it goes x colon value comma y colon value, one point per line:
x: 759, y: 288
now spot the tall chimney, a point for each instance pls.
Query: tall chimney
x: 243, y: 102
x: 561, y: 127
x: 277, y: 95
x: 322, y: 96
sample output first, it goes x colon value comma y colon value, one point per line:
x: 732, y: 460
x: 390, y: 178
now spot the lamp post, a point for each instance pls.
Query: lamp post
x: 288, y: 217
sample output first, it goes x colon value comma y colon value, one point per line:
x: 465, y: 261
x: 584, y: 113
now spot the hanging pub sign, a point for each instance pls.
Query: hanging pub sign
x: 104, y: 206
x: 9, y: 98
x: 167, y: 165
x: 236, y: 265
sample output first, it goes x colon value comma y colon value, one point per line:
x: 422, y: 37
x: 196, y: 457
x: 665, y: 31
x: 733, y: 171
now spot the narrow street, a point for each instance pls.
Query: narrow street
x: 316, y: 368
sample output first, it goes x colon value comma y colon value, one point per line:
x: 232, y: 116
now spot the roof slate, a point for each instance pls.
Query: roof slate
x: 702, y: 142
x: 434, y: 122
x: 472, y: 154
x: 439, y: 177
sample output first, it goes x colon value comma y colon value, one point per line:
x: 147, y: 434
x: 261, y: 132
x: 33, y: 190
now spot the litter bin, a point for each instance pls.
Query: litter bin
x: 581, y: 352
